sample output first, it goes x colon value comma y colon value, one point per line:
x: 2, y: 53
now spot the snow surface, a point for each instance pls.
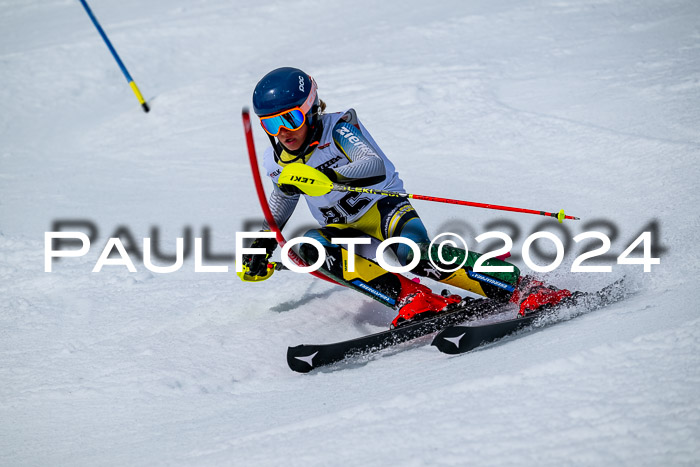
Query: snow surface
x: 589, y: 105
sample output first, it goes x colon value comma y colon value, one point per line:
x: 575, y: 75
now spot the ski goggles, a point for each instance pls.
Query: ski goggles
x: 291, y: 119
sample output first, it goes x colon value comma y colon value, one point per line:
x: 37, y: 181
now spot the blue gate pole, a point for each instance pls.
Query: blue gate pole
x: 131, y: 82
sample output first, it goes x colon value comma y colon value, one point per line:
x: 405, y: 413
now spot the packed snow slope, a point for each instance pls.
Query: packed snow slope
x: 589, y: 105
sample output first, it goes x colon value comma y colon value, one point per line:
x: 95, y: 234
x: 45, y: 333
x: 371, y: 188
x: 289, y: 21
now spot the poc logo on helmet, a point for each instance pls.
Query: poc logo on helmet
x: 301, y: 83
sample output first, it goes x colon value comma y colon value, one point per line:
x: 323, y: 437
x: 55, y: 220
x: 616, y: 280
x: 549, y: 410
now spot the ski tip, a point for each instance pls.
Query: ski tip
x: 301, y: 358
x: 445, y: 346
x: 245, y: 110
x: 448, y: 341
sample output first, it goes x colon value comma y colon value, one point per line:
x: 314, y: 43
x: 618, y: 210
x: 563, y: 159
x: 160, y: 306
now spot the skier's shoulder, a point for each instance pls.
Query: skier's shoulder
x: 335, y: 119
x: 348, y: 131
x: 350, y: 116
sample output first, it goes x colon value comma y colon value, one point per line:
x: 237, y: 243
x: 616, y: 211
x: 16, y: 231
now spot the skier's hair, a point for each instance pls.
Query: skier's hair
x: 321, y: 106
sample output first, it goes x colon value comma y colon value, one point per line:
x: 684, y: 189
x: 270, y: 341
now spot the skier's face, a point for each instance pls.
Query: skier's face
x: 292, y: 140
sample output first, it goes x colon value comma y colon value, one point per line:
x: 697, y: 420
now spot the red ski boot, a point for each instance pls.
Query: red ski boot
x: 417, y: 301
x: 535, y: 295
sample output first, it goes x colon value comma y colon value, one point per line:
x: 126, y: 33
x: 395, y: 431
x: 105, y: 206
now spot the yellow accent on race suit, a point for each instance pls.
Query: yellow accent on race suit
x: 461, y: 280
x: 286, y: 158
x: 371, y: 222
x: 343, y: 151
x: 364, y: 269
x: 393, y: 222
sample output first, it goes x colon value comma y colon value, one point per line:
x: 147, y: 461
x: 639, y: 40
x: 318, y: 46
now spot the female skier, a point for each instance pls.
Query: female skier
x: 337, y: 144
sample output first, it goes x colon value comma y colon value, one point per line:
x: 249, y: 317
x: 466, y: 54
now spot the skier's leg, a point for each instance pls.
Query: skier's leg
x: 391, y: 217
x: 407, y: 224
x: 507, y: 286
x: 528, y: 293
x: 409, y: 297
x: 366, y: 276
x: 495, y: 285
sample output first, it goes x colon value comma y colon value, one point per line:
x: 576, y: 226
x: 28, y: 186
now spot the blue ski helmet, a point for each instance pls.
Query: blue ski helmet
x: 283, y: 89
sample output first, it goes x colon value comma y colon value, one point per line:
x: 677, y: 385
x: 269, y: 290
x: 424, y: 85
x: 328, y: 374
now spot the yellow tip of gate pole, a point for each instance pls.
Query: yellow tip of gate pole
x: 142, y: 101
x: 129, y: 80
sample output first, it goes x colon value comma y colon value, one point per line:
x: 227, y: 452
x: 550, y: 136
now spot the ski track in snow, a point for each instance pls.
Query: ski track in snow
x: 588, y: 105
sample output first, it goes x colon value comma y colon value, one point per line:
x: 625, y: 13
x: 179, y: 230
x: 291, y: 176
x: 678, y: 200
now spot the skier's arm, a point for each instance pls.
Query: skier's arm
x: 282, y: 206
x: 366, y: 167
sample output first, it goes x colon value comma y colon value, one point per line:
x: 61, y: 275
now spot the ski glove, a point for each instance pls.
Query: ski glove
x: 331, y: 174
x: 257, y: 264
x: 289, y: 190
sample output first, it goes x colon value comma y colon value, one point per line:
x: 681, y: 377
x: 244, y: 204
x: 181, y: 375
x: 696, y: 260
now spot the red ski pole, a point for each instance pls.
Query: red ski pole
x: 316, y: 183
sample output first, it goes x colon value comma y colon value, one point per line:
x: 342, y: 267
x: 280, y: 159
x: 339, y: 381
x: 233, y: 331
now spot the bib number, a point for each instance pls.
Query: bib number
x: 348, y: 206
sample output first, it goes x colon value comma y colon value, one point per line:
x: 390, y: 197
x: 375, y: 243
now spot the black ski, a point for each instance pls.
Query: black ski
x: 304, y: 358
x: 457, y: 339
